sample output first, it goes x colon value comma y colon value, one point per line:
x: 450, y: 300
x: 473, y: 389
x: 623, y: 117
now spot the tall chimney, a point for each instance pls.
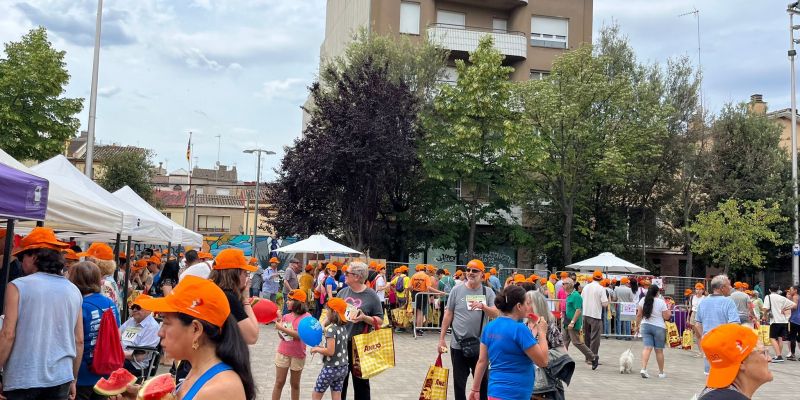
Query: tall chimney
x: 757, y: 104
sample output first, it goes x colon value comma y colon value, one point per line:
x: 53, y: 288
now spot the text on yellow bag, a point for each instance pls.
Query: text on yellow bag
x: 373, y: 352
x: 435, y: 385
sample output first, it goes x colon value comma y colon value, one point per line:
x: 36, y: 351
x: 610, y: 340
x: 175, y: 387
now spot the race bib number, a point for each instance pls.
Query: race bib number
x: 473, y: 300
x: 130, y: 333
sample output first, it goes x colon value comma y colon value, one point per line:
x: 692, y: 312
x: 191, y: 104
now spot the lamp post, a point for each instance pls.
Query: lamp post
x: 793, y: 9
x: 89, y: 166
x: 258, y: 178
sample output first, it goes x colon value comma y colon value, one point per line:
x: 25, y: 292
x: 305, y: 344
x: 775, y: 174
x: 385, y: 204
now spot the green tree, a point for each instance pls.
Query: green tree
x: 131, y: 168
x: 731, y: 234
x: 35, y: 119
x: 469, y: 139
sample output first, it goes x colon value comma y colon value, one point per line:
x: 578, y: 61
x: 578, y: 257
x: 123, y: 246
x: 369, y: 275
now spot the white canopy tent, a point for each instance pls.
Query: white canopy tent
x: 317, y: 244
x: 608, y: 262
x: 135, y: 224
x: 180, y: 235
x: 70, y: 210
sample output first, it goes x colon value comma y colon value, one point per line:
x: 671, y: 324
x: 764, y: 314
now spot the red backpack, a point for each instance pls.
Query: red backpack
x: 108, y: 355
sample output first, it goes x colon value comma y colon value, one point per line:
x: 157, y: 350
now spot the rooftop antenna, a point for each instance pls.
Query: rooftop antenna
x: 219, y: 144
x: 696, y: 14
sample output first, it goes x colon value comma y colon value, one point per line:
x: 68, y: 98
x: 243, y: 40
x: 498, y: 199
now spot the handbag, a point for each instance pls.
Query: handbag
x: 373, y: 352
x: 435, y: 385
x: 471, y: 346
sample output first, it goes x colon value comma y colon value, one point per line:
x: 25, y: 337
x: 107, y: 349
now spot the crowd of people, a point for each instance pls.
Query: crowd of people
x: 194, y: 312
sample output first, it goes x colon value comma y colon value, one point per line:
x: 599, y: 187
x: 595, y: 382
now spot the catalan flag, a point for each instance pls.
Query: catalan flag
x: 189, y: 148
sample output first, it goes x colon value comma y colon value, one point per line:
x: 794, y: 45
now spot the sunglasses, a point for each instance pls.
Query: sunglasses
x: 474, y: 271
x: 135, y: 308
x: 350, y: 273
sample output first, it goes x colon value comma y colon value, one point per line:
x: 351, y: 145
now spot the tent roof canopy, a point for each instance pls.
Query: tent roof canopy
x: 317, y: 244
x: 180, y: 234
x: 28, y: 199
x: 608, y: 262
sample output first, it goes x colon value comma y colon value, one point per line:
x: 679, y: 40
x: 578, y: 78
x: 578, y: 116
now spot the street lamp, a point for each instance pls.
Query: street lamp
x: 793, y: 9
x: 258, y: 178
x: 89, y: 164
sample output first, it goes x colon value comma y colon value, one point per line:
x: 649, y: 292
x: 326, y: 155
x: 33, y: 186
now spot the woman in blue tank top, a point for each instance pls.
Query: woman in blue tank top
x: 198, y: 327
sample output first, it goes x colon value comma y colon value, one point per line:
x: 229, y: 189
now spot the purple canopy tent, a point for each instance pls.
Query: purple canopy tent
x: 24, y: 197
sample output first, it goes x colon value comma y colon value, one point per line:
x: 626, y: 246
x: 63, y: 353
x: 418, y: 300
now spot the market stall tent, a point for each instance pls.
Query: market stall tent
x: 135, y: 224
x: 608, y: 262
x: 24, y: 195
x: 68, y: 209
x: 317, y: 244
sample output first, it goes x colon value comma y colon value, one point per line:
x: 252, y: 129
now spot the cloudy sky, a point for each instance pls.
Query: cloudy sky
x: 240, y: 69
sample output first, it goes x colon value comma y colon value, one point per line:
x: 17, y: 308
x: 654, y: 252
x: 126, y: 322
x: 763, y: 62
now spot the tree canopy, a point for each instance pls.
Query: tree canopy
x: 131, y: 168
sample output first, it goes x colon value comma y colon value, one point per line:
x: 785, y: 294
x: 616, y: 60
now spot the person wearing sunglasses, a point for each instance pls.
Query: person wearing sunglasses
x: 469, y: 307
x: 739, y: 363
x: 140, y: 330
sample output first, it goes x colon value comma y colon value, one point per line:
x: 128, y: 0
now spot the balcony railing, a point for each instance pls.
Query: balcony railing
x: 496, y: 4
x: 466, y: 38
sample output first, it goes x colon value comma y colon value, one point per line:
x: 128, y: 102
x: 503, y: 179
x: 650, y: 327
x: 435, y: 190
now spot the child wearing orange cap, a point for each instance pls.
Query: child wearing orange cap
x: 335, y: 364
x: 291, y: 353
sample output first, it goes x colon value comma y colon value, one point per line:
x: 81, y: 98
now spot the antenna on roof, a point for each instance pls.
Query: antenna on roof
x: 696, y: 14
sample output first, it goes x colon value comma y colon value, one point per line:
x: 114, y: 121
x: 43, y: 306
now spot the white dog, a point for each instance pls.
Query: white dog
x: 626, y: 362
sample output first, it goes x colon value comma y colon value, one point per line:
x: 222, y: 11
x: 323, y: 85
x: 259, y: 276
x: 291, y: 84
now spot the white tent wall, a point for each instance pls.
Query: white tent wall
x: 135, y: 224
x: 70, y: 210
x: 181, y: 235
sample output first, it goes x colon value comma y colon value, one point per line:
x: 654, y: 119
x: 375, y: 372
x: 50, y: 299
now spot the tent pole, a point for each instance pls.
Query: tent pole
x: 169, y: 250
x: 124, y: 310
x: 4, y: 272
x: 39, y: 224
x: 116, y: 258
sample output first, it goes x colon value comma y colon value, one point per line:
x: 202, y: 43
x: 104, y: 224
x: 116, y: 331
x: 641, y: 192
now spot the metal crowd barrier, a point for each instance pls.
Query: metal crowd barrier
x: 619, y: 319
x: 432, y: 309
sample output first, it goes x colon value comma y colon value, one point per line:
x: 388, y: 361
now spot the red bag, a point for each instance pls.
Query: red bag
x: 108, y: 355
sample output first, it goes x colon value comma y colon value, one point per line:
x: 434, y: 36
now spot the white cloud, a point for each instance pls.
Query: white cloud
x: 289, y: 88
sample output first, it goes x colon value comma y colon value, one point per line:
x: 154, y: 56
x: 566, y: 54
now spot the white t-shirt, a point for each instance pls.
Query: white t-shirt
x: 593, y: 296
x: 201, y: 269
x: 696, y: 302
x: 656, y: 318
x: 380, y: 285
x: 776, y: 304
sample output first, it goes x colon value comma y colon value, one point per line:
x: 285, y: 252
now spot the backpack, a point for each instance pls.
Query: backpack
x: 107, y: 356
x: 447, y: 284
x: 400, y: 286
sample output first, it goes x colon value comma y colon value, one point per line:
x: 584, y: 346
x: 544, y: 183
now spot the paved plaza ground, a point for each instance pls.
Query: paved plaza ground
x: 414, y: 356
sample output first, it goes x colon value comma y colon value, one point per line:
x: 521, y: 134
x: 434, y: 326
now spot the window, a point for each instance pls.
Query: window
x: 198, y: 190
x: 223, y: 192
x: 450, y: 75
x: 453, y: 19
x: 409, y: 18
x: 500, y: 25
x: 457, y: 189
x: 549, y: 32
x: 539, y: 74
x: 167, y: 214
x: 219, y: 223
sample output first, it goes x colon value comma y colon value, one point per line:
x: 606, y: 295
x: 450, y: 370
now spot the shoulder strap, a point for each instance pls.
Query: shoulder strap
x: 483, y: 314
x: 212, y: 372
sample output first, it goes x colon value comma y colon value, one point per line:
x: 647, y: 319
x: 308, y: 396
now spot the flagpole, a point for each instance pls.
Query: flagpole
x: 189, y: 179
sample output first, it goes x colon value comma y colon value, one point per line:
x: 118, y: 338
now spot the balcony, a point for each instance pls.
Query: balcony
x: 457, y: 38
x: 493, y: 4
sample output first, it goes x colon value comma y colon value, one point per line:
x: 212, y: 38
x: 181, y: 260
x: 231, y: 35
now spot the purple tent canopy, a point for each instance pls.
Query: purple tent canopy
x: 24, y: 196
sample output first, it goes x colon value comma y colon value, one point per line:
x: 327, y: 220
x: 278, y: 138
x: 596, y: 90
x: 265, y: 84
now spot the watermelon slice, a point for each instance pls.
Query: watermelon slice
x: 159, y: 387
x: 116, y: 383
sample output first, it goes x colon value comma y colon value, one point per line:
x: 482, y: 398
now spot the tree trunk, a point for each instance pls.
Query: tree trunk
x: 566, y: 236
x: 471, y: 242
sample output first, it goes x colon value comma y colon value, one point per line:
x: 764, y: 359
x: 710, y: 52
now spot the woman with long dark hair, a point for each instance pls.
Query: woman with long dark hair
x: 651, y: 314
x: 511, y: 349
x: 198, y: 327
x: 231, y: 273
x: 168, y: 278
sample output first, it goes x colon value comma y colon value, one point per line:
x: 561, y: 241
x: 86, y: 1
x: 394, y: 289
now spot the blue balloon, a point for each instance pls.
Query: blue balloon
x: 310, y: 331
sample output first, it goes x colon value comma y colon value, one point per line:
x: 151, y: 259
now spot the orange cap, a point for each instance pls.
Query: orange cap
x: 122, y: 255
x: 552, y: 276
x: 253, y: 260
x: 373, y: 264
x: 332, y: 267
x: 542, y: 281
x: 493, y: 271
x: 195, y: 296
x: 726, y: 346
x: 597, y: 275
x: 532, y: 279
x: 687, y: 292
x: 70, y: 254
x: 604, y: 283
x: 309, y: 267
x: 232, y: 259
x: 486, y: 276
x: 40, y: 238
x: 274, y: 260
x: 476, y: 264
x: 699, y: 285
x: 339, y: 306
x: 431, y: 269
x: 518, y: 278
x: 447, y: 272
x: 459, y: 272
x: 737, y: 285
x: 138, y: 300
x: 625, y: 280
x: 203, y: 255
x: 614, y: 281
x: 139, y: 265
x: 154, y: 259
x: 564, y: 274
x: 645, y: 283
x: 745, y: 285
x: 419, y: 267
x: 345, y: 268
x: 299, y: 295
x: 100, y: 251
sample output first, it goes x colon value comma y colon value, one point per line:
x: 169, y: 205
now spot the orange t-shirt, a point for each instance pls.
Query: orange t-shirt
x: 420, y: 282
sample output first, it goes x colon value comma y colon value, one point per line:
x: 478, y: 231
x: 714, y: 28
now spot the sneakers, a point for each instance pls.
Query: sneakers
x: 595, y: 362
x: 791, y: 358
x: 778, y: 359
x: 420, y: 332
x: 662, y: 375
x: 644, y: 374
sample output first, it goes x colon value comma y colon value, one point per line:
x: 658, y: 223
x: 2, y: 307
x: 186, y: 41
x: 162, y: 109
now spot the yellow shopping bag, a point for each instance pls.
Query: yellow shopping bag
x: 373, y: 352
x: 673, y: 338
x: 763, y: 334
x: 688, y: 339
x: 435, y: 385
x: 400, y: 317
